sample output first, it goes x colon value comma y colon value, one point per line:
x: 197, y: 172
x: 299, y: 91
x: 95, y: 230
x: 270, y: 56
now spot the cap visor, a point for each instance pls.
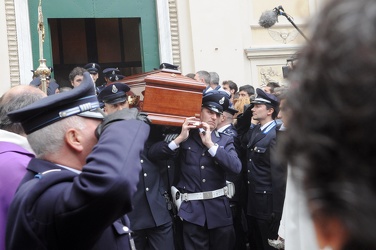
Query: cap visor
x: 213, y: 109
x: 117, y: 100
x: 94, y: 114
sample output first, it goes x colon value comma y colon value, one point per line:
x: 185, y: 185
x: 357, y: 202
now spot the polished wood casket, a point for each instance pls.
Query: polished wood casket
x: 165, y: 95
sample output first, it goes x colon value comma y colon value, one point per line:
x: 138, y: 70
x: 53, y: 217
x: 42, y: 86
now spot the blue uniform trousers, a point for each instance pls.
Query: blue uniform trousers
x: 198, y: 237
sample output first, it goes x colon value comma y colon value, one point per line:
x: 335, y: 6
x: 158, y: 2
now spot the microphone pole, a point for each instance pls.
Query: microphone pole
x: 281, y: 12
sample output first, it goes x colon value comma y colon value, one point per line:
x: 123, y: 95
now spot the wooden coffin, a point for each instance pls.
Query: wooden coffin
x: 165, y: 95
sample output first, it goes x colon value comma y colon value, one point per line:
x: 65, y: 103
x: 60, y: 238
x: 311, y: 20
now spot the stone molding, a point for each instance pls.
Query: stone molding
x: 12, y: 42
x: 174, y: 26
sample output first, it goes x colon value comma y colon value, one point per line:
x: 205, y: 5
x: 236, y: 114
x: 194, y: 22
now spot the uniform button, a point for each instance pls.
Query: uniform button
x: 249, y: 171
x: 147, y: 189
x: 250, y: 159
x: 264, y: 192
x: 255, y: 148
x: 145, y: 174
x: 168, y: 166
x: 251, y: 149
x: 189, y: 148
x: 203, y: 154
x: 258, y: 150
x: 142, y: 161
x: 126, y: 229
x: 248, y: 182
x: 202, y: 167
x: 203, y: 180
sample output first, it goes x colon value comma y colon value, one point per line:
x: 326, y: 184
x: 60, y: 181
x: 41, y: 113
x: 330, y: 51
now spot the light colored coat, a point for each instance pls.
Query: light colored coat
x: 296, y: 226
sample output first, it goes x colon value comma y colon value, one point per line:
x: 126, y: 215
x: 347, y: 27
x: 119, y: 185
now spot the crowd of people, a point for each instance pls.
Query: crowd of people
x: 226, y: 219
x: 277, y: 167
x: 210, y: 215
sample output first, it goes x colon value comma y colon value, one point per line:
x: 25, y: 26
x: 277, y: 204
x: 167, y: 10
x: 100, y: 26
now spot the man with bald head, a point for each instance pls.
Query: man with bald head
x: 15, y: 151
x: 79, y: 187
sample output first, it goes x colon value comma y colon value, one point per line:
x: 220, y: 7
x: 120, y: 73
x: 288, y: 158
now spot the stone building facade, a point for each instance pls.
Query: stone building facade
x: 213, y: 35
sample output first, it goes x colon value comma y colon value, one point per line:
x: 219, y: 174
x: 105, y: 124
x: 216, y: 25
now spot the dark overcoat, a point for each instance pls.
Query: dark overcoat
x: 61, y: 209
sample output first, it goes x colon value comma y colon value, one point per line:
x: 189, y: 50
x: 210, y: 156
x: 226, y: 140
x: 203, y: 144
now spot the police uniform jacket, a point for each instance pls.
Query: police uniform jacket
x: 231, y: 131
x: 235, y: 178
x: 149, y: 201
x: 265, y: 178
x: 200, y: 172
x: 65, y: 210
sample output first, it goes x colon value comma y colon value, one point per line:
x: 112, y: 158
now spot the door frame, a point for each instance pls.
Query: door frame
x: 143, y: 9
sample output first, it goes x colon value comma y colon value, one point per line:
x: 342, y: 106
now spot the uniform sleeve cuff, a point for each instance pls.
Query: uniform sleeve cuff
x: 172, y: 145
x: 213, y: 150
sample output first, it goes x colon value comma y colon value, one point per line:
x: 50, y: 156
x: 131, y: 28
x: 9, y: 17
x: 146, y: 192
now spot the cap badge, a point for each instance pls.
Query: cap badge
x: 222, y: 100
x: 114, y: 89
x: 93, y: 66
x: 113, y: 72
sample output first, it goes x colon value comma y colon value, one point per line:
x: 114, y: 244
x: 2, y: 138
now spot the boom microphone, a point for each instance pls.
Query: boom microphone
x: 268, y: 18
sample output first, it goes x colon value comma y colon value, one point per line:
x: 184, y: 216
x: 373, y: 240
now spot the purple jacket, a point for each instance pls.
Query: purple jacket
x: 13, y: 162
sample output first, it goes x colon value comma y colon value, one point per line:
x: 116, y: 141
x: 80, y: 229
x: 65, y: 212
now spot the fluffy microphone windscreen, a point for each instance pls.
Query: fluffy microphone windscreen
x: 268, y: 19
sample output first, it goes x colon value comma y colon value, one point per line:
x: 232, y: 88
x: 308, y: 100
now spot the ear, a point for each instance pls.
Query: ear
x: 73, y: 138
x: 270, y: 111
x: 223, y: 118
x: 330, y: 231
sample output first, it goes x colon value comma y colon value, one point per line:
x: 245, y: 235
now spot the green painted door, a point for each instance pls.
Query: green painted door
x: 125, y: 11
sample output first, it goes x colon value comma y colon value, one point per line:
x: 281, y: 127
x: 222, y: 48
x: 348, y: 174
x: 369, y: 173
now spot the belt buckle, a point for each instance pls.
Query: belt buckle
x: 207, y: 195
x: 184, y: 197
